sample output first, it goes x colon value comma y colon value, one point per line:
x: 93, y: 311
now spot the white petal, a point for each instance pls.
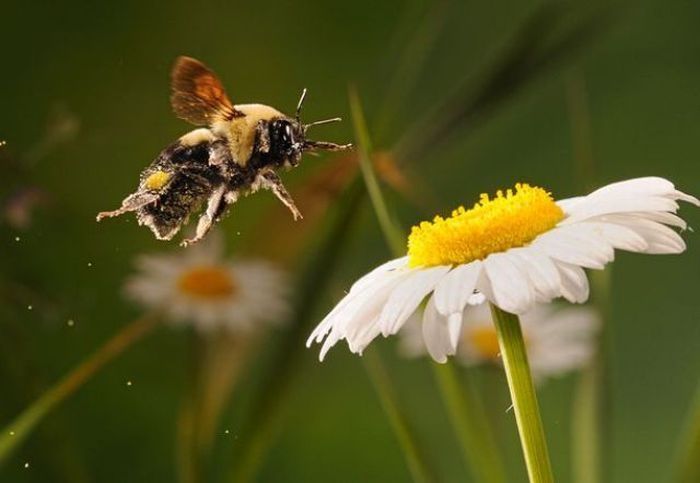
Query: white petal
x: 454, y: 327
x: 619, y: 236
x: 541, y: 271
x: 648, y: 185
x: 440, y: 334
x: 356, y: 321
x: 347, y: 308
x: 592, y: 207
x: 330, y: 341
x: 577, y: 244
x: 574, y: 283
x: 568, y: 204
x: 361, y: 339
x: 406, y: 297
x: 455, y: 289
x: 510, y: 287
x: 370, y: 277
x: 662, y: 217
x: 659, y: 238
x: 679, y: 195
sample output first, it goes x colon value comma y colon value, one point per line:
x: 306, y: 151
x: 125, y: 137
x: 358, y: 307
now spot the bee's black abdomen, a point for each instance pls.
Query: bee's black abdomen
x: 183, y: 195
x: 179, y: 154
x: 191, y: 179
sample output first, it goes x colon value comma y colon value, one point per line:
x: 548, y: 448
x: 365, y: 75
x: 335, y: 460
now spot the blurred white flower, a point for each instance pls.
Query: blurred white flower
x: 199, y: 286
x: 558, y: 340
x: 516, y: 249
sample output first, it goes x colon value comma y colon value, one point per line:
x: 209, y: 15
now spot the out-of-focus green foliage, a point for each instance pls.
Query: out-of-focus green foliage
x: 106, y: 66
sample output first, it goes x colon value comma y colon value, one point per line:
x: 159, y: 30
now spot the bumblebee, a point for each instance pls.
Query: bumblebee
x: 238, y: 152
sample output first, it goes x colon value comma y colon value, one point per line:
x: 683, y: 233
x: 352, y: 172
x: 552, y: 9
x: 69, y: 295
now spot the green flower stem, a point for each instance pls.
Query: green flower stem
x: 688, y: 469
x: 18, y: 430
x: 469, y: 420
x: 415, y: 459
x: 522, y: 392
x: 464, y: 408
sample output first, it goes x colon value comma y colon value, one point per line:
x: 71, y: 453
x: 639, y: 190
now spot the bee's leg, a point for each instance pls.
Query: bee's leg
x: 131, y: 203
x: 215, y: 207
x: 270, y: 180
x: 325, y: 146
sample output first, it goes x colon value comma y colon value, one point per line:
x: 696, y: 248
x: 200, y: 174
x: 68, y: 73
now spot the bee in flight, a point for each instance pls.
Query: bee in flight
x: 238, y: 152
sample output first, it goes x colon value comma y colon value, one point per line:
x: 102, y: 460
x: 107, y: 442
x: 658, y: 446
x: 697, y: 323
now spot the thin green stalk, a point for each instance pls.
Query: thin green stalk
x: 18, y: 430
x: 364, y: 151
x: 591, y: 435
x: 464, y: 408
x: 269, y: 405
x: 585, y: 429
x: 415, y: 458
x: 468, y: 418
x: 522, y: 392
x: 410, y: 63
x: 189, y: 456
x: 688, y: 466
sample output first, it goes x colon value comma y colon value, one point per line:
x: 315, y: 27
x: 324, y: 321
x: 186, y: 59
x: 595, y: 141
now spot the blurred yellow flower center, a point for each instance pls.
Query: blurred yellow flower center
x: 507, y: 221
x: 207, y: 282
x: 485, y: 341
x: 157, y: 180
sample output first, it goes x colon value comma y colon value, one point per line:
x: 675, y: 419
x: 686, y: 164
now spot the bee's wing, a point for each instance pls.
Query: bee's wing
x: 197, y: 94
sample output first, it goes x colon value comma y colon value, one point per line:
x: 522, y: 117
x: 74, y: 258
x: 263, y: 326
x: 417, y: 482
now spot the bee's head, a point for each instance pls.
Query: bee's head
x: 289, y: 136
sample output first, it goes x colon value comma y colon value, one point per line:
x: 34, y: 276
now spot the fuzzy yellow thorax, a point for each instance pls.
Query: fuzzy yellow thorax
x: 511, y: 219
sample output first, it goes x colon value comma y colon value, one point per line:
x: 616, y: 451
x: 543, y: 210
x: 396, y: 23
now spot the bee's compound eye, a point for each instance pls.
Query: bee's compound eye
x: 288, y: 132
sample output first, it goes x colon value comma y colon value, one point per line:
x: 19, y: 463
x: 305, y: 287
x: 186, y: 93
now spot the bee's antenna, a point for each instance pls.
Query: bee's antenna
x: 301, y: 102
x: 324, y: 121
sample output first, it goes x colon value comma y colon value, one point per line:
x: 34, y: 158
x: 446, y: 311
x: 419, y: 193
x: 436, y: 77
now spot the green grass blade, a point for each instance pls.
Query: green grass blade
x: 415, y: 457
x: 688, y: 461
x: 264, y: 423
x: 393, y: 234
x: 530, y: 54
x: 22, y: 426
x: 469, y: 421
x: 464, y: 409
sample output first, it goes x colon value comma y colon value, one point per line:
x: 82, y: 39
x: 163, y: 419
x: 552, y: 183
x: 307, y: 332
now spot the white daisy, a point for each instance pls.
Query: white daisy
x: 199, y: 286
x: 557, y: 340
x: 516, y: 249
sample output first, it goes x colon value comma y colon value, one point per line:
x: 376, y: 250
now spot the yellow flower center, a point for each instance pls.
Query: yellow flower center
x: 207, y: 283
x: 485, y: 341
x: 507, y: 221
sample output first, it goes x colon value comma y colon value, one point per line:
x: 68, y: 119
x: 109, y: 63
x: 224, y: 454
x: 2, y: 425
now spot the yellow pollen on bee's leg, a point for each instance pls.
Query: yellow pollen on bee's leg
x: 157, y: 180
x: 509, y: 220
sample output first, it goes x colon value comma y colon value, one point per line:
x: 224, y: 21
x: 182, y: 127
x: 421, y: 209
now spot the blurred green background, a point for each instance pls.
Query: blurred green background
x: 627, y: 73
